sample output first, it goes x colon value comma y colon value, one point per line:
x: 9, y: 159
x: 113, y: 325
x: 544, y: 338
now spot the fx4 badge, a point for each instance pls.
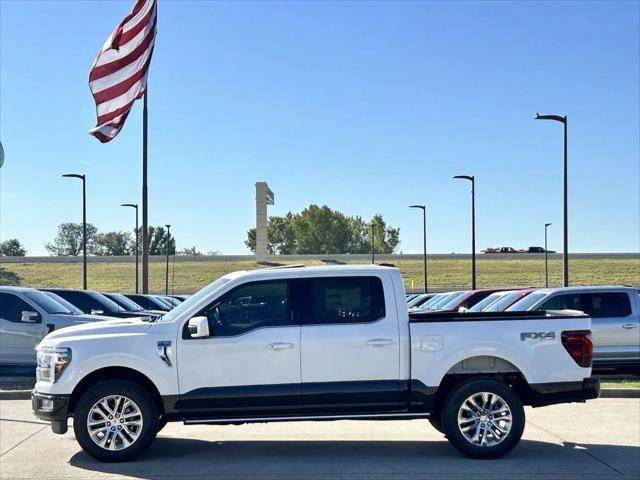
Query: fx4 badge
x: 537, y: 336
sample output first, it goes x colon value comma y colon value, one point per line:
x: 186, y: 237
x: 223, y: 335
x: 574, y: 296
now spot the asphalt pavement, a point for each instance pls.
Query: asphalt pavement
x: 599, y: 439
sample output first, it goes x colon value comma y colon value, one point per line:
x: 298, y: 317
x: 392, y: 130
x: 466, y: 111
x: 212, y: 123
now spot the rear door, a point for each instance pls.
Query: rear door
x: 350, y: 349
x: 18, y: 339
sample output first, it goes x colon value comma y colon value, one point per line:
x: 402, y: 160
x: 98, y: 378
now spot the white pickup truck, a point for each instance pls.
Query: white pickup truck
x: 310, y: 343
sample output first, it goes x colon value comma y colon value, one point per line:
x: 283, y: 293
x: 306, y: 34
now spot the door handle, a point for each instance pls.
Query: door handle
x: 379, y: 342
x: 629, y: 326
x: 279, y: 346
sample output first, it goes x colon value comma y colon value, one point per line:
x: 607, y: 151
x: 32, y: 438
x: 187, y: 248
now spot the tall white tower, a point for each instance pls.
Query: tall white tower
x: 264, y: 197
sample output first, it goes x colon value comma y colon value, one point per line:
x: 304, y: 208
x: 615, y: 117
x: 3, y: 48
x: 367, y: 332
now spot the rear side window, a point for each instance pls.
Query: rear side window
x: 11, y: 307
x: 606, y: 304
x: 344, y: 300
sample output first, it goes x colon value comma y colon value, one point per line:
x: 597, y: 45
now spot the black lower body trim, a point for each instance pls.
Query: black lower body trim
x: 564, y: 392
x: 52, y: 408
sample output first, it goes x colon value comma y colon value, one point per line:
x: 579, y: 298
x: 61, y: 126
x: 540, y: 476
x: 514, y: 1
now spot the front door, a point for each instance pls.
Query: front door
x: 18, y: 339
x: 350, y: 345
x: 250, y: 363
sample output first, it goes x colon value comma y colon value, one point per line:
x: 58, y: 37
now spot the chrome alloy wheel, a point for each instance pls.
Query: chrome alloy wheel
x: 114, y: 422
x: 484, y: 419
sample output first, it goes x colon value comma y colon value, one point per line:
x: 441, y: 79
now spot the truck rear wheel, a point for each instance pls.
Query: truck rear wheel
x: 115, y: 421
x: 483, y: 418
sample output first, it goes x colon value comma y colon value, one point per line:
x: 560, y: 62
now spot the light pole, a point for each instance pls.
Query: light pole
x: 373, y: 243
x: 472, y: 179
x: 424, y: 240
x: 84, y: 224
x: 546, y: 256
x: 134, y: 205
x: 565, y: 252
x: 166, y: 287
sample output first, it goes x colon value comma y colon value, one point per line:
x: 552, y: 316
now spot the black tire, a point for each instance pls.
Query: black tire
x: 436, y: 421
x: 454, y: 402
x: 162, y: 422
x: 148, y: 411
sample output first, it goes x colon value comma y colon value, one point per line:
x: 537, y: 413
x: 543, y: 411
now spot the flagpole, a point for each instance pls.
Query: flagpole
x: 145, y: 229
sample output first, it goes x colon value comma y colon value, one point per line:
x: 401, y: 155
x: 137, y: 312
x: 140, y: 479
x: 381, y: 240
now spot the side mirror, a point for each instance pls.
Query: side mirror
x: 95, y: 311
x: 198, y: 327
x: 30, y: 317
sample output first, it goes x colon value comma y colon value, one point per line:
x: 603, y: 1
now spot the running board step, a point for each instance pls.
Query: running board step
x: 297, y: 418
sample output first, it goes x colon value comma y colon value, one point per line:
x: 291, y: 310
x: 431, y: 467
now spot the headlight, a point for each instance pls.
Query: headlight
x: 51, y: 363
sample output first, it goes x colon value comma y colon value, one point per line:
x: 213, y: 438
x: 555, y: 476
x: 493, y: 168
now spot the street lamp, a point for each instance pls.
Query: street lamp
x: 424, y: 240
x: 472, y: 179
x: 565, y: 253
x: 373, y: 242
x: 546, y: 255
x: 134, y: 205
x: 84, y: 224
x: 166, y: 287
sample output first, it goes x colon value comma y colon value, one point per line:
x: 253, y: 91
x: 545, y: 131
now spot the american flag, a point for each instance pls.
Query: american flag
x: 118, y: 76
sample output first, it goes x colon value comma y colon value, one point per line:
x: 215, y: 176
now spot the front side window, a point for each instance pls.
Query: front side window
x: 563, y: 302
x: 248, y: 307
x: 345, y: 300
x: 11, y: 307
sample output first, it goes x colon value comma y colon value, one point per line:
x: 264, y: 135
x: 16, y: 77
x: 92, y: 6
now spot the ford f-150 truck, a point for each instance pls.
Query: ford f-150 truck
x: 310, y: 343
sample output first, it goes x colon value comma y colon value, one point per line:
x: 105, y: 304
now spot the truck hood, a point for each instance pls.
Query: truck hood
x: 118, y: 326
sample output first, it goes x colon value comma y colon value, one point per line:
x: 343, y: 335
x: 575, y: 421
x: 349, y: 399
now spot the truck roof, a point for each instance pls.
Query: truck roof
x: 301, y: 270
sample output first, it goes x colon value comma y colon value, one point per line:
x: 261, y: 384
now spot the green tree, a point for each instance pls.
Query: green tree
x: 12, y: 248
x: 158, y: 241
x: 112, y: 243
x: 68, y: 241
x: 321, y: 230
x: 191, y: 252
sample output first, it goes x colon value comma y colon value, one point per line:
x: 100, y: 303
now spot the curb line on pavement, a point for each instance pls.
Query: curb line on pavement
x: 604, y: 393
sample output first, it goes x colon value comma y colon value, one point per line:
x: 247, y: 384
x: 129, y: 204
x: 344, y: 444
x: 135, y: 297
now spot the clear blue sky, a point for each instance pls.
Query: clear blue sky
x: 365, y: 107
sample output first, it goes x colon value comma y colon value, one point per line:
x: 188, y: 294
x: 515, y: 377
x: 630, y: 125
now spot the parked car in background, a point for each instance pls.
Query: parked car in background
x: 434, y: 302
x: 319, y: 343
x: 26, y: 316
x: 539, y: 250
x: 410, y: 296
x: 92, y: 302
x: 61, y: 300
x: 615, y: 314
x: 182, y: 298
x: 174, y: 302
x: 148, y: 302
x: 420, y: 299
x: 500, y: 301
x: 131, y: 306
x: 464, y: 300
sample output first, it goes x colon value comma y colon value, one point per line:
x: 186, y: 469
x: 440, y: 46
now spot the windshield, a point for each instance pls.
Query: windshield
x: 62, y: 301
x: 47, y: 303
x: 527, y: 302
x: 503, y: 302
x: 418, y: 300
x: 485, y: 302
x: 125, y: 302
x: 193, y: 299
x: 433, y: 300
x: 453, y: 301
x: 108, y: 304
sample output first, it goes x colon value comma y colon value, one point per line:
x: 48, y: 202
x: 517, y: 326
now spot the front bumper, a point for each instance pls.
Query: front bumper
x: 52, y: 408
x: 564, y: 392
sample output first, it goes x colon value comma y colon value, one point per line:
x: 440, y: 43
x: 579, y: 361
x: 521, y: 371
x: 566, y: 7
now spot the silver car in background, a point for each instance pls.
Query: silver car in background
x: 615, y: 319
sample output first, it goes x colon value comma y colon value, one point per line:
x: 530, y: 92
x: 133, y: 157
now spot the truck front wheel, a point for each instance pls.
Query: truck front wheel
x: 115, y: 421
x: 483, y: 418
